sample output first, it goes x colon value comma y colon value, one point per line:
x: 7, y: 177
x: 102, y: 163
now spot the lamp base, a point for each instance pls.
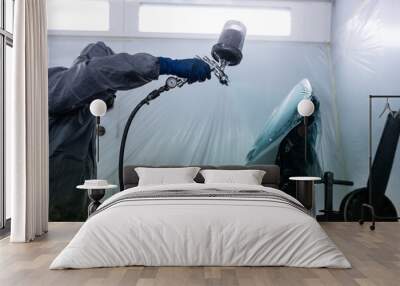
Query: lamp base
x: 95, y: 195
x: 101, y: 130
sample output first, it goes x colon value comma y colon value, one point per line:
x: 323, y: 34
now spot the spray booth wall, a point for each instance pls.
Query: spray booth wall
x: 206, y: 123
x: 366, y: 59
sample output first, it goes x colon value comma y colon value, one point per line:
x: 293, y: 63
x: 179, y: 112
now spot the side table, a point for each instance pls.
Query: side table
x: 305, y: 191
x: 96, y: 190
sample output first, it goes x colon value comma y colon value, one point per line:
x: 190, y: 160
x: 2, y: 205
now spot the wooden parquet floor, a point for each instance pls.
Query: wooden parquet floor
x: 375, y: 257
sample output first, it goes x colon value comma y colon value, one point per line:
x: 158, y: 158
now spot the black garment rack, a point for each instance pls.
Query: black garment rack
x: 369, y: 205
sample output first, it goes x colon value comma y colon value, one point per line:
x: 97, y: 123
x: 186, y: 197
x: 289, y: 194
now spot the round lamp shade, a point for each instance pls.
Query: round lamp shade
x: 305, y: 107
x: 98, y: 107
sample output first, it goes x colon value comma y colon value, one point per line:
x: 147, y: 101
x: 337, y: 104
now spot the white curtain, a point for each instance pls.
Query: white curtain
x: 27, y: 123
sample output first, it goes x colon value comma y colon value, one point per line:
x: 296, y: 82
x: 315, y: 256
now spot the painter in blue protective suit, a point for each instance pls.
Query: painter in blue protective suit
x: 96, y: 74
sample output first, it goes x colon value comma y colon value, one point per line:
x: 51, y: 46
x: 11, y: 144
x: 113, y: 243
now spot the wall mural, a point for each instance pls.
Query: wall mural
x: 253, y: 120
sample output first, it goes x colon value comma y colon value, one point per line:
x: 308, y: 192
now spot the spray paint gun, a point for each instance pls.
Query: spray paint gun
x: 226, y: 52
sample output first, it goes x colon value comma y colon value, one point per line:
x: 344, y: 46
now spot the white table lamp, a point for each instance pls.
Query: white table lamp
x: 305, y: 108
x: 98, y: 108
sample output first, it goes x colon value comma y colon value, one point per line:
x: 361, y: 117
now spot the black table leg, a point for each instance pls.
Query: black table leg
x: 95, y: 196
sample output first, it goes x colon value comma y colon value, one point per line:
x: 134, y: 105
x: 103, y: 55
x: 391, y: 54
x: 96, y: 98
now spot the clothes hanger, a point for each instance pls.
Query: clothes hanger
x: 387, y: 107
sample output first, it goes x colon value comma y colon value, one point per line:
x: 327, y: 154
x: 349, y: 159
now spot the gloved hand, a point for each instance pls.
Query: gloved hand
x: 191, y: 69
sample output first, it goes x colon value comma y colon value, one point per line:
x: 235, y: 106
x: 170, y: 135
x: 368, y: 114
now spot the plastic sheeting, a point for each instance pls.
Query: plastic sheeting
x: 207, y: 123
x: 366, y: 60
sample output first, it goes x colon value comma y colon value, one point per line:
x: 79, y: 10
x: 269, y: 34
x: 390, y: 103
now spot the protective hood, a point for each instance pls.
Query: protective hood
x: 98, y: 49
